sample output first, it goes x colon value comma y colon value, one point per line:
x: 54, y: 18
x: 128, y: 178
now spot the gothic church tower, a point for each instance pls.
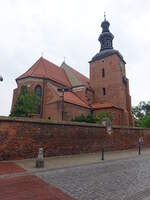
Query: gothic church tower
x: 108, y: 76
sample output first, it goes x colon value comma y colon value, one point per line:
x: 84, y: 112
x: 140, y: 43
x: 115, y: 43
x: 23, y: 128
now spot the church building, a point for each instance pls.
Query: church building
x: 66, y: 93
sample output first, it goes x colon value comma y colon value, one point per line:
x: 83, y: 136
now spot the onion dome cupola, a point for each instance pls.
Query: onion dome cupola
x: 106, y: 43
x: 106, y: 37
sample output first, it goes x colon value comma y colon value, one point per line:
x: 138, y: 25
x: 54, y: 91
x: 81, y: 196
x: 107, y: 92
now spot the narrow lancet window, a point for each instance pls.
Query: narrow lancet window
x: 104, y: 91
x: 103, y: 73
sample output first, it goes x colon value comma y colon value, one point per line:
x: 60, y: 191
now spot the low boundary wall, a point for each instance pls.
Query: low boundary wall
x: 21, y: 138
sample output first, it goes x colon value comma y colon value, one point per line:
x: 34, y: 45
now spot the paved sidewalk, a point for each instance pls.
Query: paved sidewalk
x: 29, y: 188
x: 80, y: 159
x: 10, y: 168
x: 19, y: 179
x: 18, y: 184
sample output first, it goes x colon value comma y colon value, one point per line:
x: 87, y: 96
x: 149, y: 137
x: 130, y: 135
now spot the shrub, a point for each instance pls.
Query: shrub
x: 84, y: 118
x: 103, y: 114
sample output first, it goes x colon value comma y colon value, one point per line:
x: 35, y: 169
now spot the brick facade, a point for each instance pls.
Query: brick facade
x: 107, y: 85
x: 117, y: 92
x: 21, y: 138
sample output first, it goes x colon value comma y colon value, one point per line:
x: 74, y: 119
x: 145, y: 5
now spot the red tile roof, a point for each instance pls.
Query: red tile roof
x: 45, y: 69
x: 104, y: 105
x: 70, y: 97
x: 81, y: 77
x: 82, y: 96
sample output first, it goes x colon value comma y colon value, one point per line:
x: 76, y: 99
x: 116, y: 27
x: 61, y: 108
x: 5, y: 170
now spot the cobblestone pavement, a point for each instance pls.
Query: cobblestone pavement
x: 127, y: 179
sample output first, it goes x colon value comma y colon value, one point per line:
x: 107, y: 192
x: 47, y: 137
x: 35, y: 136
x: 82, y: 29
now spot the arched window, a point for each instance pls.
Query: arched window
x: 38, y: 92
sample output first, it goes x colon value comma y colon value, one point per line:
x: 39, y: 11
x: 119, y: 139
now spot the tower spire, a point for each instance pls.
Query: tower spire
x: 106, y: 37
x: 106, y: 42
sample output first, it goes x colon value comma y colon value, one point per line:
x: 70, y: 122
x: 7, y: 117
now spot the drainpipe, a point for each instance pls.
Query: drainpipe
x: 42, y: 102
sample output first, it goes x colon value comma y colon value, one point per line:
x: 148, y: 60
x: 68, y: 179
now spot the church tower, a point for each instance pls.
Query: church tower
x: 108, y: 76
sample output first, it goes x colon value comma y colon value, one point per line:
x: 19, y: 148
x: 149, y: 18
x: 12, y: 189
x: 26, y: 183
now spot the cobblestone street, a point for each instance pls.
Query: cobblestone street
x: 127, y: 179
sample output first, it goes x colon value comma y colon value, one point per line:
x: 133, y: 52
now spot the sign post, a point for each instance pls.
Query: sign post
x: 108, y: 127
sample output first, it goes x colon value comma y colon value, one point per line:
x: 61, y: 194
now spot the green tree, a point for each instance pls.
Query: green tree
x: 141, y: 109
x: 141, y: 114
x: 26, y: 104
x: 145, y: 121
x: 103, y: 114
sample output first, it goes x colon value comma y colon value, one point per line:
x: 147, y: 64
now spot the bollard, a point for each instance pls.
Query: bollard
x: 139, y: 149
x: 140, y: 142
x: 102, y: 151
x: 40, y: 159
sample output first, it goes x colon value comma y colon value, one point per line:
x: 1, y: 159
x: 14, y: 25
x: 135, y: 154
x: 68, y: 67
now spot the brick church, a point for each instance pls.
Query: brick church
x: 66, y: 93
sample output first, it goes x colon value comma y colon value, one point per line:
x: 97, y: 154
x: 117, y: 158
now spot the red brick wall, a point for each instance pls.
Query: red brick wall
x: 49, y: 95
x: 53, y: 111
x: 21, y: 138
x: 117, y: 92
x: 112, y: 81
x: 72, y: 111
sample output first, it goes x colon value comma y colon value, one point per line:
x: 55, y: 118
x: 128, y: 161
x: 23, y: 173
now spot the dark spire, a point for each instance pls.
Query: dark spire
x: 106, y: 37
x: 106, y: 41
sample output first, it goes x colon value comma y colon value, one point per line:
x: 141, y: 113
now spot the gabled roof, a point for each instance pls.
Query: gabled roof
x: 75, y: 77
x: 46, y: 69
x: 70, y: 97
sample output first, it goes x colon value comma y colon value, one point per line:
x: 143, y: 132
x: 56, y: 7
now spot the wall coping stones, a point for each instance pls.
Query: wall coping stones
x: 65, y: 123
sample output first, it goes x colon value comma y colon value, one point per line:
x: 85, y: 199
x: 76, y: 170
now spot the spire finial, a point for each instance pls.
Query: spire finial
x: 42, y: 53
x: 64, y: 59
x: 104, y: 16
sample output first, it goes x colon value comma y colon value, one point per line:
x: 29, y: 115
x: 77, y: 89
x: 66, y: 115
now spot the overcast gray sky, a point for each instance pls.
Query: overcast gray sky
x: 71, y: 28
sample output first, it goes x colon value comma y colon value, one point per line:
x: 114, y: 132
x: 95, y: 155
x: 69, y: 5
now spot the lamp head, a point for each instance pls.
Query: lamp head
x: 1, y: 78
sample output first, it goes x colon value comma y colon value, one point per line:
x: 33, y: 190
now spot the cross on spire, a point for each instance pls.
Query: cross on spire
x: 42, y: 53
x: 64, y: 59
x: 104, y: 16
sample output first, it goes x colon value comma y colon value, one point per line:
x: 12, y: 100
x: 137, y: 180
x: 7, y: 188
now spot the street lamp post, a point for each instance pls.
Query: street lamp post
x: 62, y: 105
x: 108, y: 128
x: 1, y: 78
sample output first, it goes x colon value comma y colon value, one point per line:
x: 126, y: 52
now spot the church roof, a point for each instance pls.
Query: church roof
x: 70, y: 97
x: 46, y: 69
x: 75, y: 77
x: 64, y: 75
x: 106, y: 53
